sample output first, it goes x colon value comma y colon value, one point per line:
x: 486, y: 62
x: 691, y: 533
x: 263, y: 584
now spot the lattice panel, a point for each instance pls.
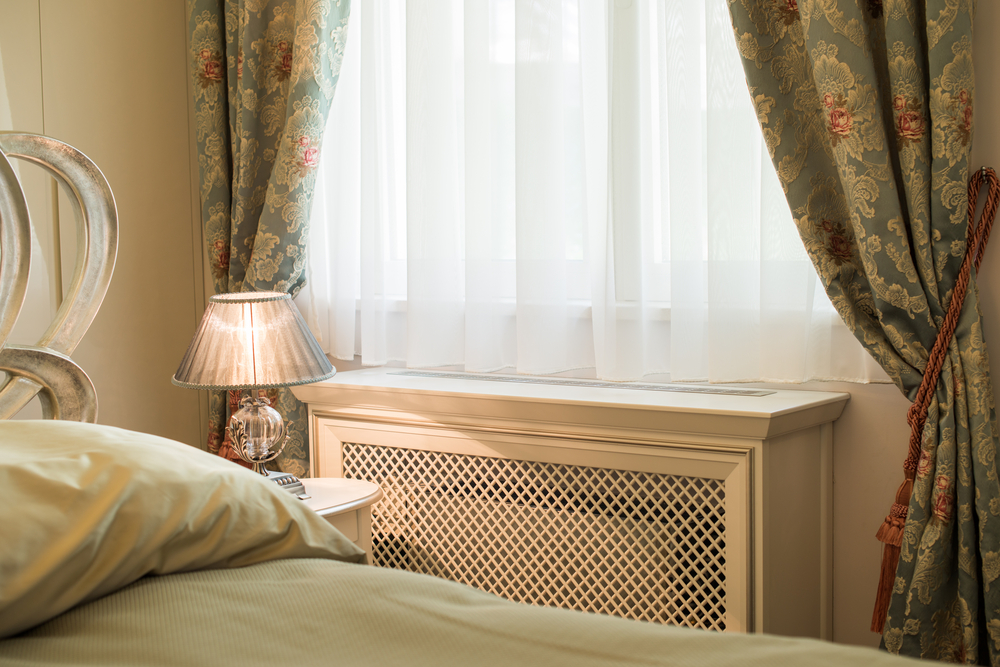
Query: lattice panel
x: 632, y: 544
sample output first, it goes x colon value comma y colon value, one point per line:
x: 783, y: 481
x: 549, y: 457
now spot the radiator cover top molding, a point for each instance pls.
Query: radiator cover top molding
x: 450, y: 400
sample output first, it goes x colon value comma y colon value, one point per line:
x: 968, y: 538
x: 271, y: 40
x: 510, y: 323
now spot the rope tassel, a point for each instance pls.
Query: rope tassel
x: 890, y: 533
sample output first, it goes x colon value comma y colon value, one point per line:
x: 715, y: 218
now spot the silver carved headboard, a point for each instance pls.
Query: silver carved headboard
x: 45, y: 369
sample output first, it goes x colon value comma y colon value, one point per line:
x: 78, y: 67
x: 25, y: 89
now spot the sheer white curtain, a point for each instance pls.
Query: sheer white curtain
x: 548, y: 185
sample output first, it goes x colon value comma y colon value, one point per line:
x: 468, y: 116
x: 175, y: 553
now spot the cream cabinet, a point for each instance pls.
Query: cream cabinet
x: 709, y: 507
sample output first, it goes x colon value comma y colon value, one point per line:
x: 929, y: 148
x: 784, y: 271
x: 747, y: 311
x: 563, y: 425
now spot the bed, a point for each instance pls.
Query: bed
x: 123, y: 548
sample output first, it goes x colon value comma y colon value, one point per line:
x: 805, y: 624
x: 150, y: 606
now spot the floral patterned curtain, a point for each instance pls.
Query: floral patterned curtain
x: 264, y: 73
x: 866, y: 107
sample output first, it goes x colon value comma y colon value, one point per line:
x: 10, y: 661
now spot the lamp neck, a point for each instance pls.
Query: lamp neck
x: 249, y: 399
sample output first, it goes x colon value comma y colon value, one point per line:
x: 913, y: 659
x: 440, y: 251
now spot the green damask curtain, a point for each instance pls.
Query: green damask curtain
x: 866, y: 108
x: 264, y: 73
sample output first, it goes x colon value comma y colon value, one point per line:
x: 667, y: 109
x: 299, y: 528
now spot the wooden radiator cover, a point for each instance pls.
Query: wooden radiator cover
x: 706, y: 510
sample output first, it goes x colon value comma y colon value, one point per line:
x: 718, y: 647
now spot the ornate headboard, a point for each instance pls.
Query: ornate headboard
x: 45, y: 368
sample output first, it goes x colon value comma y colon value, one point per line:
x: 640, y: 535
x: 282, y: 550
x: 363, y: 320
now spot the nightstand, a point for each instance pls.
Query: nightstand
x: 346, y: 504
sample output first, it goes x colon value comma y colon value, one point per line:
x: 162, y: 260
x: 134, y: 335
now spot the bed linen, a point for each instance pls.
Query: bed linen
x: 307, y: 612
x: 119, y: 548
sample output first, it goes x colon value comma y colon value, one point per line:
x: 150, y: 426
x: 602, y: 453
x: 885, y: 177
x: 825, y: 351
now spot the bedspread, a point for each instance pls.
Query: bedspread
x: 320, y: 612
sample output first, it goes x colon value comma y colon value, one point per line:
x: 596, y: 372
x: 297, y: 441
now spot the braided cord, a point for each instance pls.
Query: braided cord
x: 976, y: 238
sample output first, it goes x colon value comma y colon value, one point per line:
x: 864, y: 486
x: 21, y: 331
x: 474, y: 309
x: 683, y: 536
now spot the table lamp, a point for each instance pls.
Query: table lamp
x: 252, y: 341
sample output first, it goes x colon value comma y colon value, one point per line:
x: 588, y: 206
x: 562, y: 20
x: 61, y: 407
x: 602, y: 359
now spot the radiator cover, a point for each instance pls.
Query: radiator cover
x: 631, y: 544
x: 706, y: 510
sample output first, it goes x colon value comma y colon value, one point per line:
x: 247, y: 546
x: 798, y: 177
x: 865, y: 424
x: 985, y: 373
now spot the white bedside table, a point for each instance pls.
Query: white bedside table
x: 346, y: 504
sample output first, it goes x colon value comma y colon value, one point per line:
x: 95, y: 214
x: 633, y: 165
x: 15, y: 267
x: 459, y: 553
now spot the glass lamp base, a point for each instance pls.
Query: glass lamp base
x: 258, y: 437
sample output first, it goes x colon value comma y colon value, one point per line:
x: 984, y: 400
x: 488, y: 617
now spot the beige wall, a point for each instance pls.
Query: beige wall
x: 109, y: 78
x: 112, y: 82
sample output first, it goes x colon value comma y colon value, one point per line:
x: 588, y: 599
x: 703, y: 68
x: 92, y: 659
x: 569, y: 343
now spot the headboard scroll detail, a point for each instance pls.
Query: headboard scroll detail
x: 64, y: 389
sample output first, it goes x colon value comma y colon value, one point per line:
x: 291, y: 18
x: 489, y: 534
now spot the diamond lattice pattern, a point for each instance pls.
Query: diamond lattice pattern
x: 633, y: 544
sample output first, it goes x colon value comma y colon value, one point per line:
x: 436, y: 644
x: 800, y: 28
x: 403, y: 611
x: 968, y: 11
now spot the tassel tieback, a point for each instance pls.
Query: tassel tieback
x: 891, y: 531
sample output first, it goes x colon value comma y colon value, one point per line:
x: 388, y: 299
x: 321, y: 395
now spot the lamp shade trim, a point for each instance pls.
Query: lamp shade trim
x: 214, y: 387
x: 249, y: 297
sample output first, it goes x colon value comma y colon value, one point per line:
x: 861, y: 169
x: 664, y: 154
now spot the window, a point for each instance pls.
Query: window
x: 547, y: 185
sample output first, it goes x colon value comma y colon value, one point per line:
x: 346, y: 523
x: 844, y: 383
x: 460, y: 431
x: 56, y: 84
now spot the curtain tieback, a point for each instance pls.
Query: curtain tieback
x: 891, y: 531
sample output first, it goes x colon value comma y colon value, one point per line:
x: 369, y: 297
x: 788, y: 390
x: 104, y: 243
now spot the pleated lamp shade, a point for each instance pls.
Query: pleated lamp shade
x: 252, y: 339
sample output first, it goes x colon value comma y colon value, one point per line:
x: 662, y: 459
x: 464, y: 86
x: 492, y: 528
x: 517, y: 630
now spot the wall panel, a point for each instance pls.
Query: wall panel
x: 110, y: 79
